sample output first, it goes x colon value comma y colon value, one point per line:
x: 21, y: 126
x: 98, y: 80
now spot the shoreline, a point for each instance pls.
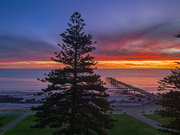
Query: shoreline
x: 25, y: 100
x: 18, y: 100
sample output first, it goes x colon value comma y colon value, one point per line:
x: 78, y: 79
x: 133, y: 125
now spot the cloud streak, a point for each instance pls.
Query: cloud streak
x: 22, y: 48
x: 154, y: 42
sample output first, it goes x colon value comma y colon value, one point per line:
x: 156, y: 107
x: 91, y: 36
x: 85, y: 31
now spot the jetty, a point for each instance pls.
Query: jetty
x: 130, y: 88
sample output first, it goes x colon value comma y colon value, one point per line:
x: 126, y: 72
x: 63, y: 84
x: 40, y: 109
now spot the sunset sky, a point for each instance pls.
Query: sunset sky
x: 130, y: 33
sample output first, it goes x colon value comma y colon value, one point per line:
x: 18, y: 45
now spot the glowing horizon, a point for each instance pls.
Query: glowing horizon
x: 166, y: 64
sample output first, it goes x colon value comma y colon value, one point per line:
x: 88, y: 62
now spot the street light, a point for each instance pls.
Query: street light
x: 143, y: 106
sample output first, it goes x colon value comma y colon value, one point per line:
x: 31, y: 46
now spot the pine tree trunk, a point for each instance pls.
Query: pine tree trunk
x: 74, y: 92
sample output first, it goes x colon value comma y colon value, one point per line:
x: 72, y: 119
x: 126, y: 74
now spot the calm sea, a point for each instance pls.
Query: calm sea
x: 25, y: 80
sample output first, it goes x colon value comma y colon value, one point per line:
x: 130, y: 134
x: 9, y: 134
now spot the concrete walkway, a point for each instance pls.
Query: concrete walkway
x: 136, y: 113
x: 132, y: 111
x: 144, y: 119
x: 14, y: 122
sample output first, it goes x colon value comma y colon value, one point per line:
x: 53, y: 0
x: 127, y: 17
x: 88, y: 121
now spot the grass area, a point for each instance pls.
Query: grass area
x: 24, y: 128
x: 158, y: 118
x: 3, y: 110
x: 7, y: 119
x: 126, y: 125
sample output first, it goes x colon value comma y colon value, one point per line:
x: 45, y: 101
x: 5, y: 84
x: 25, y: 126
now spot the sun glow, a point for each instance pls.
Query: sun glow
x: 101, y: 64
x: 31, y: 65
x: 138, y: 64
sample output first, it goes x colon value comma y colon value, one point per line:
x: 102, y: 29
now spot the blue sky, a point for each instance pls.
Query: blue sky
x: 125, y: 30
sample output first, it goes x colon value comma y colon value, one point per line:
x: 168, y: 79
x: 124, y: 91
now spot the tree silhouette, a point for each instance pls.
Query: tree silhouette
x: 76, y: 101
x: 1, y: 121
x: 170, y: 101
x: 178, y: 35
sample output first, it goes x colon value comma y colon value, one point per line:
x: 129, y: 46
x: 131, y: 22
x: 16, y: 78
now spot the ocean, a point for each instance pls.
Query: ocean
x: 25, y: 80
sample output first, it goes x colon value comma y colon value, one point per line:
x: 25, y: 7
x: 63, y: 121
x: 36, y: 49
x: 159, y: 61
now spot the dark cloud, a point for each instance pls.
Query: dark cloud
x: 23, y: 48
x: 152, y: 41
x: 155, y: 30
x: 119, y: 53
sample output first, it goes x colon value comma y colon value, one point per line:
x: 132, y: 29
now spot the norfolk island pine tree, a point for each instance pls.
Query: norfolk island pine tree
x: 170, y: 101
x: 76, y: 99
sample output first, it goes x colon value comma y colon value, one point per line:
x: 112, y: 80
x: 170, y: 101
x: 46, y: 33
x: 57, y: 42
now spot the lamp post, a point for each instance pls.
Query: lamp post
x: 143, y: 105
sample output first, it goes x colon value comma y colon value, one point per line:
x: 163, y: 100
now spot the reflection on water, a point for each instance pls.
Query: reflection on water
x: 145, y: 79
x: 21, y: 80
x: 25, y: 79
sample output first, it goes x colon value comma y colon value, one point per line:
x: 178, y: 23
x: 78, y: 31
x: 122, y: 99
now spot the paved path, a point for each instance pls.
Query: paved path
x: 14, y: 122
x: 144, y: 119
x: 136, y: 113
x: 133, y: 111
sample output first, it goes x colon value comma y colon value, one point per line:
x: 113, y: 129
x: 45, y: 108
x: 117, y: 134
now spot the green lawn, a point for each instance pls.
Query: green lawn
x: 126, y: 125
x: 157, y: 118
x: 7, y: 119
x: 23, y: 128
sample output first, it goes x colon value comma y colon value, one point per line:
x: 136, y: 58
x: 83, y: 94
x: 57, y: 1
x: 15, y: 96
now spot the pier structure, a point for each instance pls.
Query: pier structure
x: 130, y: 89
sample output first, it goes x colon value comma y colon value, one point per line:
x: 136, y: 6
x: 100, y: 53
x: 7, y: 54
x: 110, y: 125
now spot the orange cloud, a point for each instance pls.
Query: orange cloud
x: 101, y: 64
x: 31, y: 65
x: 137, y: 64
x: 137, y: 48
